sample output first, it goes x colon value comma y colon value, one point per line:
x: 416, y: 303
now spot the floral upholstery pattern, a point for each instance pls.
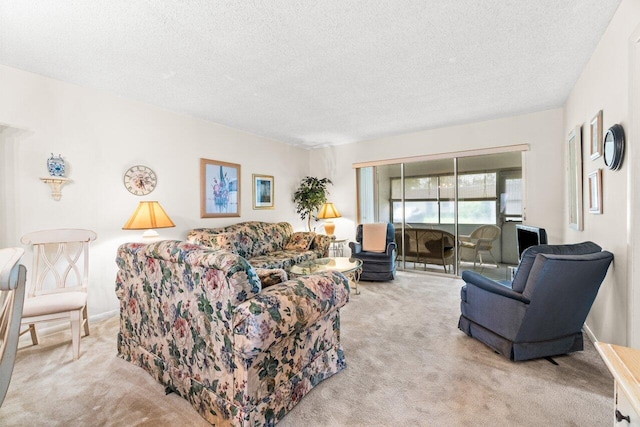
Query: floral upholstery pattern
x: 264, y: 244
x: 300, y: 241
x: 200, y: 323
x: 271, y: 276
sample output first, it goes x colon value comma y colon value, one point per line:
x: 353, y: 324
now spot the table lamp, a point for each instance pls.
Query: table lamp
x: 328, y: 212
x: 147, y: 216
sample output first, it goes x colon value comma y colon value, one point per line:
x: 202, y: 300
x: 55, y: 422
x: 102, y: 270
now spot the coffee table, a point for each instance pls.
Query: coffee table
x: 350, y: 267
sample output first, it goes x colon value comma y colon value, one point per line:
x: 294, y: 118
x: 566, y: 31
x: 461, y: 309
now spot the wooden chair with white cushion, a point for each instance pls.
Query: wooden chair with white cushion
x: 58, y: 281
x: 12, y: 284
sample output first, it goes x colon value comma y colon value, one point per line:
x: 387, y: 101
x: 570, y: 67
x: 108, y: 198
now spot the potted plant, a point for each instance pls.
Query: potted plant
x: 310, y: 196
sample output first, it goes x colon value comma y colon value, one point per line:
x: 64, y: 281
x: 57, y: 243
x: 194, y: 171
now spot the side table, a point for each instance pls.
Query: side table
x: 337, y: 247
x: 624, y: 365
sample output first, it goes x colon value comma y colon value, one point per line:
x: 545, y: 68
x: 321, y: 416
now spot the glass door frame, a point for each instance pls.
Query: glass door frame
x: 455, y: 156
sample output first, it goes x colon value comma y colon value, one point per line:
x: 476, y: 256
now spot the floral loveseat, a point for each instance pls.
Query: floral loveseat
x: 264, y: 244
x: 198, y: 321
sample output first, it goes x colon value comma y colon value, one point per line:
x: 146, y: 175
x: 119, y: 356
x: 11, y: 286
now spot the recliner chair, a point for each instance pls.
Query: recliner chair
x: 540, y: 313
x: 376, y: 266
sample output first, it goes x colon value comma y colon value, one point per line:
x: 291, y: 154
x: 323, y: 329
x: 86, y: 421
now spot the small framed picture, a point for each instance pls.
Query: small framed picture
x: 595, y: 192
x: 263, y: 192
x: 219, y: 189
x: 595, y: 140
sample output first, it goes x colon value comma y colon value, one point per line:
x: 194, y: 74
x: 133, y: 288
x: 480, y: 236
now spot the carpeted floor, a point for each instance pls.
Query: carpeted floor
x: 407, y: 364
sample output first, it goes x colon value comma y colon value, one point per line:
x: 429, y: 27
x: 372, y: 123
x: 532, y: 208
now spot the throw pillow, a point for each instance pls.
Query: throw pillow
x: 300, y: 241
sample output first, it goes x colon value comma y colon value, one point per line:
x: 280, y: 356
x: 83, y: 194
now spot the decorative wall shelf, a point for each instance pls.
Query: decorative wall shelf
x: 56, y: 183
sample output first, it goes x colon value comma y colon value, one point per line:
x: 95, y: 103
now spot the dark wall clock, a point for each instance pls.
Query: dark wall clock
x: 614, y: 147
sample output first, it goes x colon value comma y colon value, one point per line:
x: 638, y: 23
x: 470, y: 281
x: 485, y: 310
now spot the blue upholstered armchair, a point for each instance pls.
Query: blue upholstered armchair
x: 376, y: 266
x: 540, y: 313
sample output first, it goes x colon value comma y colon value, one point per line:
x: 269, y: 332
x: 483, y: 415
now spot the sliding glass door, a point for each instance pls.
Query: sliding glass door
x: 489, y: 206
x: 449, y: 214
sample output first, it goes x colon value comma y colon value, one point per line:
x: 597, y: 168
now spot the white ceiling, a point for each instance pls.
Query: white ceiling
x: 314, y: 73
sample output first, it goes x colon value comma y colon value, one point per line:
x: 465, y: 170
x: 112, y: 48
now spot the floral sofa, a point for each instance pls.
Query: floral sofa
x: 199, y: 322
x: 264, y: 244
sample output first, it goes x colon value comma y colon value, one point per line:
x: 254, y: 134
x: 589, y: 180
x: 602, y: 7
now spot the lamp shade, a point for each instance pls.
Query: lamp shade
x: 328, y: 211
x: 148, y: 215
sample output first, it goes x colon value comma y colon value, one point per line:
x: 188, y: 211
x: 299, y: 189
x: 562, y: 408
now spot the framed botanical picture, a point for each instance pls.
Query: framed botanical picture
x: 219, y: 189
x: 263, y: 192
x: 595, y: 140
x: 595, y: 192
x: 574, y: 168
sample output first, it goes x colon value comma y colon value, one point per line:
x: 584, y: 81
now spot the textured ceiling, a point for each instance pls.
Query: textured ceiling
x: 314, y: 73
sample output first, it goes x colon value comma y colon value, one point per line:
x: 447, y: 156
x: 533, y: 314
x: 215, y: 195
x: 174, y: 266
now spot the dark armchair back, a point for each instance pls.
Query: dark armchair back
x: 542, y: 311
x: 390, y: 233
x: 562, y: 289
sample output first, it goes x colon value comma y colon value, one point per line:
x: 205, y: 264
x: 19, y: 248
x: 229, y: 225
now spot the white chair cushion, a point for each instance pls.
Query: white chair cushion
x: 54, y: 303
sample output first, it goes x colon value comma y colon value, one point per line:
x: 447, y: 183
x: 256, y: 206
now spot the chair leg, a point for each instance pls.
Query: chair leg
x: 76, y: 319
x: 494, y: 258
x: 85, y: 321
x: 32, y: 332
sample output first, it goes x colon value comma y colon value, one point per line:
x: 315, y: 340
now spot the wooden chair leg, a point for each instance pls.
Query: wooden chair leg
x: 32, y: 332
x: 76, y: 319
x: 85, y: 321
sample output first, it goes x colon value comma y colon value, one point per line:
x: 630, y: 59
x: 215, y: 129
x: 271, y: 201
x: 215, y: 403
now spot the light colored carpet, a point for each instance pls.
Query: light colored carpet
x: 407, y: 364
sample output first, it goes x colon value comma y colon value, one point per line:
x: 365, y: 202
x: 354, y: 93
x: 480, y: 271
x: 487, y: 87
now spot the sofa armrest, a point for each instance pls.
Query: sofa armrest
x: 286, y: 308
x: 271, y: 276
x: 321, y: 244
x: 475, y: 279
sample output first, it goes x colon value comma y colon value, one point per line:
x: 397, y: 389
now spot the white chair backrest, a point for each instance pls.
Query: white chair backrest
x: 60, y: 260
x: 490, y: 232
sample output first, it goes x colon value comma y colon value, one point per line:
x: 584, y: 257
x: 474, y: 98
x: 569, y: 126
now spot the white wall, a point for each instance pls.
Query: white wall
x: 604, y: 85
x: 542, y: 131
x: 101, y: 136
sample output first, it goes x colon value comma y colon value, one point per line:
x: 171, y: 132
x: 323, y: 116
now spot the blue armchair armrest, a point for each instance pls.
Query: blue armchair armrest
x: 355, y: 247
x: 482, y: 282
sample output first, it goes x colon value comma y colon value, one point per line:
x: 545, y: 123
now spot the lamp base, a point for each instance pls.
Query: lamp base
x: 150, y: 234
x: 329, y: 228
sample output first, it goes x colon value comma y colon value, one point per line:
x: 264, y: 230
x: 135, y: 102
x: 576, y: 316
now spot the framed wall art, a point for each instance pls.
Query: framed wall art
x: 574, y: 168
x: 219, y: 189
x: 595, y: 192
x: 263, y: 192
x: 595, y: 136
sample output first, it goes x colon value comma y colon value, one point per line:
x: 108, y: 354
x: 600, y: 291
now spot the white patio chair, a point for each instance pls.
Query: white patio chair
x: 480, y: 240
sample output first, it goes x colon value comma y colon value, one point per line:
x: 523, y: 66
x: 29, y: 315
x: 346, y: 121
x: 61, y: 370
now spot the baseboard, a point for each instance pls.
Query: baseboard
x: 52, y: 328
x: 589, y: 333
x: 105, y: 315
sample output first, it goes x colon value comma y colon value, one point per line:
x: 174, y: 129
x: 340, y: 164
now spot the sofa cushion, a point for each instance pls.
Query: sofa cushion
x: 263, y: 244
x: 282, y: 259
x: 300, y: 241
x: 247, y: 239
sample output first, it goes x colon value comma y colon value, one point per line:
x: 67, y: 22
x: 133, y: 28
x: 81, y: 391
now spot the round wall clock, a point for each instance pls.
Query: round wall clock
x: 614, y: 147
x: 140, y: 180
